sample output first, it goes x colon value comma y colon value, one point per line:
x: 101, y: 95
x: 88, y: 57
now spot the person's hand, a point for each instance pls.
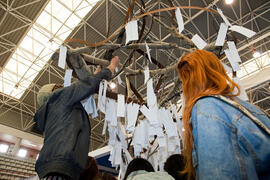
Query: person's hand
x: 113, y: 64
x: 98, y: 69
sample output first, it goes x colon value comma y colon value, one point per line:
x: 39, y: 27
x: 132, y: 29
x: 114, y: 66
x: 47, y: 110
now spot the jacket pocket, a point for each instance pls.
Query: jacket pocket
x: 76, y: 140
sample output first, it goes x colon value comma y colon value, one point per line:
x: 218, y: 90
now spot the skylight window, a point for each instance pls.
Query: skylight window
x: 51, y: 28
x: 22, y: 153
x: 3, y: 148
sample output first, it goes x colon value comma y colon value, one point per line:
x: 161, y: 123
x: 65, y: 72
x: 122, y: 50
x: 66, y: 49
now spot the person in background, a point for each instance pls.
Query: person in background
x: 90, y: 171
x: 65, y: 123
x: 141, y: 169
x: 174, y: 165
x: 104, y: 176
x: 225, y: 137
x: 138, y: 166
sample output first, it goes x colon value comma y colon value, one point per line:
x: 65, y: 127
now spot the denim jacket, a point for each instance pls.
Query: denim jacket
x: 227, y: 143
x: 66, y: 128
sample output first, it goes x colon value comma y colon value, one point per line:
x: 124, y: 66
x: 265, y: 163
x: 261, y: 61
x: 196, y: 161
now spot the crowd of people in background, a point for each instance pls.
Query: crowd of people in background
x: 137, y: 169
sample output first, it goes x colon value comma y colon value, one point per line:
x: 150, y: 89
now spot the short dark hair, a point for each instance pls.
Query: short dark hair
x: 174, y: 164
x: 57, y: 86
x: 90, y: 170
x: 104, y: 176
x: 138, y: 164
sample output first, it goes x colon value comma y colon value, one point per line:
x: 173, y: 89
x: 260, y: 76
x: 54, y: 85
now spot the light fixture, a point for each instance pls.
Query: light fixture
x: 112, y: 85
x: 22, y: 153
x: 183, y: 129
x: 228, y: 1
x: 3, y: 148
x: 256, y: 54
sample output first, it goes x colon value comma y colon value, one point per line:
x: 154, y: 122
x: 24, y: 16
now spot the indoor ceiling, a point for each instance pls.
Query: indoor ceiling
x: 25, y: 65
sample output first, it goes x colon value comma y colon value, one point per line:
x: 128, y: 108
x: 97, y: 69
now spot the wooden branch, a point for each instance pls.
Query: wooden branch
x: 129, y: 92
x: 134, y: 90
x: 128, y: 70
x: 160, y: 45
x: 135, y: 18
x: 172, y: 30
x: 169, y: 93
x: 152, y: 59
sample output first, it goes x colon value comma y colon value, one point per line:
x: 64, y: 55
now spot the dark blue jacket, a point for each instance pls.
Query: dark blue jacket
x: 66, y: 128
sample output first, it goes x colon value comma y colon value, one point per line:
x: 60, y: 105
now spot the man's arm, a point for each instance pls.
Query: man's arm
x: 83, y: 88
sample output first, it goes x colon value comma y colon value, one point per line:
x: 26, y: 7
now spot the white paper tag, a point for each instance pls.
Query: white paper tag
x: 146, y: 74
x: 221, y: 34
x: 151, y: 114
x: 227, y: 68
x: 132, y: 31
x: 86, y: 103
x: 224, y: 17
x: 148, y: 52
x: 104, y: 92
x: 243, y: 95
x: 62, y: 57
x: 242, y: 30
x: 89, y: 105
x: 118, y: 77
x: 233, y: 51
x: 93, y: 103
x: 198, y: 41
x: 104, y: 127
x: 180, y: 21
x: 120, y: 105
x: 67, y: 78
x: 151, y: 97
x: 101, y: 106
x: 110, y: 114
x: 234, y: 64
x: 132, y: 115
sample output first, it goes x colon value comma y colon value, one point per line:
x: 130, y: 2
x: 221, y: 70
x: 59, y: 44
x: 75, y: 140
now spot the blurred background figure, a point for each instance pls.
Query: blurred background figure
x: 91, y: 169
x: 173, y: 165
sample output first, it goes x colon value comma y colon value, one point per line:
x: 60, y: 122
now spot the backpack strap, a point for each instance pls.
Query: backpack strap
x: 245, y: 111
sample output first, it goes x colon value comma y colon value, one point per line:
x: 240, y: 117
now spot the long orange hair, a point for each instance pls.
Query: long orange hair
x: 201, y: 74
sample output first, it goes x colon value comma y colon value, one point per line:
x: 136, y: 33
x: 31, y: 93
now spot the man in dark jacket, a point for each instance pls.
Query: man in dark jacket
x: 65, y: 123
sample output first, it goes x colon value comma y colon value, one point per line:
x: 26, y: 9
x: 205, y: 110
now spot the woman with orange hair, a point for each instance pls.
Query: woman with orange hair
x: 225, y: 137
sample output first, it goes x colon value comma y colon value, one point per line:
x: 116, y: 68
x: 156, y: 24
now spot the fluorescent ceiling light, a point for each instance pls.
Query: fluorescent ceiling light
x: 112, y: 85
x: 3, y: 148
x: 52, y: 27
x: 22, y: 153
x: 228, y: 1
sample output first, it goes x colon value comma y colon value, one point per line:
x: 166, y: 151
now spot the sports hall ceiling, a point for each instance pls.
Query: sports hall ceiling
x: 19, y: 19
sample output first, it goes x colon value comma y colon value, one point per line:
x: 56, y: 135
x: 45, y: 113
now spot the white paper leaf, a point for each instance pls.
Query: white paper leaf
x: 198, y: 41
x: 132, y: 31
x: 62, y: 57
x: 67, y: 78
x: 242, y: 30
x: 180, y: 21
x: 221, y: 34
